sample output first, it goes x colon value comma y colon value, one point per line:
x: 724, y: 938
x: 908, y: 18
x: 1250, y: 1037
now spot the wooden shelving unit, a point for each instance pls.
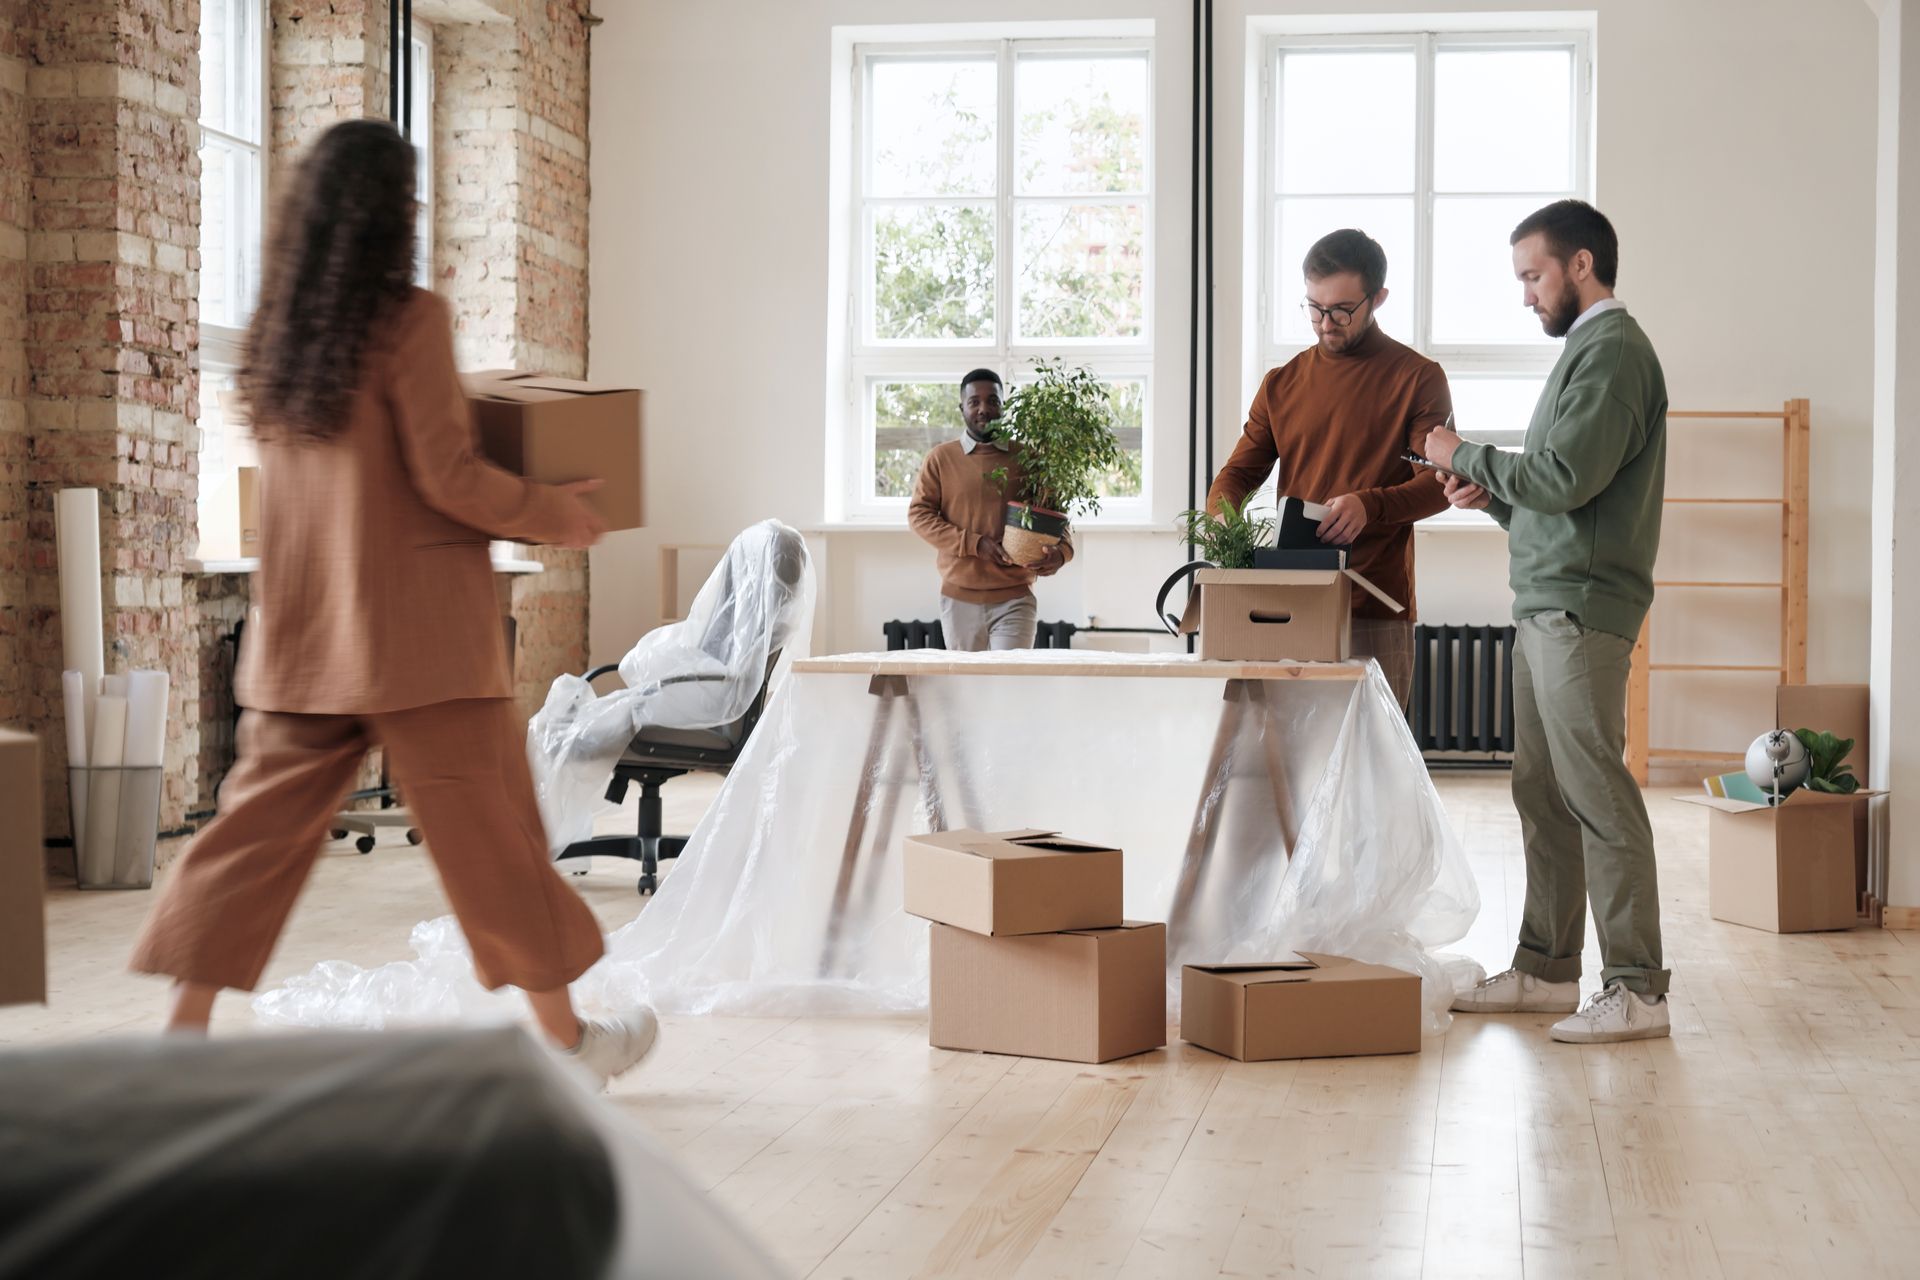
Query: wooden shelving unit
x: 1794, y: 422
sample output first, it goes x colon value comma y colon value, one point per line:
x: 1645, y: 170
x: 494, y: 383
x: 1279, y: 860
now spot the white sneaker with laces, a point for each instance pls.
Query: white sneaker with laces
x: 1612, y: 1014
x: 609, y: 1048
x: 1517, y: 992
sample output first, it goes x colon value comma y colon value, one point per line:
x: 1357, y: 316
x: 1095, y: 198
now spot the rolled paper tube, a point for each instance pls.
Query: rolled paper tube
x: 73, y: 689
x: 76, y: 514
x: 103, y: 799
x: 114, y: 685
x: 146, y: 717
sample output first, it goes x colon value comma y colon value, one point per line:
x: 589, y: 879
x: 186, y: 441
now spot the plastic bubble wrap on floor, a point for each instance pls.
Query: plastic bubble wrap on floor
x: 1257, y: 819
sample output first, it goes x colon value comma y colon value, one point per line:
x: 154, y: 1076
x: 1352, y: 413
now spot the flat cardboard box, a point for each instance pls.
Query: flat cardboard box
x: 1785, y: 869
x: 1276, y: 615
x: 1305, y: 1006
x: 557, y: 429
x: 1012, y: 882
x: 23, y: 873
x: 1088, y: 995
x: 247, y: 484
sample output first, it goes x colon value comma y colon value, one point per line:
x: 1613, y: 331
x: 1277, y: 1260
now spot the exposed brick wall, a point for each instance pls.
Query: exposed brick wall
x: 113, y: 93
x: 510, y: 252
x: 328, y: 63
x: 15, y: 221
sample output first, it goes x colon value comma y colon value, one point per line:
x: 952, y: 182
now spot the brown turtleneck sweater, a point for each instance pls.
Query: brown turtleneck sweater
x: 1337, y: 425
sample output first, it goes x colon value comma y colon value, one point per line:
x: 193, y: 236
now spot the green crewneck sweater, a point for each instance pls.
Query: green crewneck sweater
x: 1582, y: 500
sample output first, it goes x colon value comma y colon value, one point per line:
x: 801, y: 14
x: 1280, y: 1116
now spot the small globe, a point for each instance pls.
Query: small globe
x: 1792, y: 756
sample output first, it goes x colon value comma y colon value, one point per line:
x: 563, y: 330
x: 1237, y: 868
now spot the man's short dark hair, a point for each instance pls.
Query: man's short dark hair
x: 978, y: 375
x: 1570, y: 226
x: 1338, y: 252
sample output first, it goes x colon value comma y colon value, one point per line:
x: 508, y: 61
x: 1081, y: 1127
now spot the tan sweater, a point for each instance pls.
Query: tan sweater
x: 954, y: 505
x: 1337, y: 425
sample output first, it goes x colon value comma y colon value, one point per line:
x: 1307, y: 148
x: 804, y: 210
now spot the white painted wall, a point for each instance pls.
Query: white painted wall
x: 1735, y: 153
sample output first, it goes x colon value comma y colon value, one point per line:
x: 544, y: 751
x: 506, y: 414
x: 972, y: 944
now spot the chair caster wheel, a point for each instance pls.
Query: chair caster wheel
x: 647, y: 885
x: 413, y: 836
x: 364, y: 844
x: 337, y: 834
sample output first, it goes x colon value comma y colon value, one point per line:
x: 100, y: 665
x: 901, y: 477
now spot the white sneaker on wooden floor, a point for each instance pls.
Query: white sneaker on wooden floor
x: 1517, y: 992
x: 1612, y: 1014
x: 610, y: 1048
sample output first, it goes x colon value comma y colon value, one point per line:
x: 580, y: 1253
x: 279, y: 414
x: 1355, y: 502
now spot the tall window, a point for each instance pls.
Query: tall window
x: 420, y: 130
x: 233, y: 131
x: 1436, y: 146
x: 1003, y: 211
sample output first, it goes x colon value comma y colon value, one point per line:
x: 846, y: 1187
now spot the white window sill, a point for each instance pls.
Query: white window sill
x: 251, y: 564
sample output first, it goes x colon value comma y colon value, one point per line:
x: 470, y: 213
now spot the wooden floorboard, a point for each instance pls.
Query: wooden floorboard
x: 1777, y: 1133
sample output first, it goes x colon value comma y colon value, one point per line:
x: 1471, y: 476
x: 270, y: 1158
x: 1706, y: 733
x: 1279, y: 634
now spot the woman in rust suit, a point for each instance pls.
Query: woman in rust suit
x: 378, y: 620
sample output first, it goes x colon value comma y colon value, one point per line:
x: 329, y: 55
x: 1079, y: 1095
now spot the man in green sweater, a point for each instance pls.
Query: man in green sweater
x: 1581, y: 502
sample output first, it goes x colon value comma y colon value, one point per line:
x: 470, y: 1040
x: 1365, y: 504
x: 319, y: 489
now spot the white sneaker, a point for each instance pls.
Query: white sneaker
x: 1612, y: 1014
x: 610, y: 1048
x: 1517, y: 992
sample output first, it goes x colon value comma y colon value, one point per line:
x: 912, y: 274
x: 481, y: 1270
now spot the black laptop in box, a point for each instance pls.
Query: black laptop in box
x: 1297, y: 544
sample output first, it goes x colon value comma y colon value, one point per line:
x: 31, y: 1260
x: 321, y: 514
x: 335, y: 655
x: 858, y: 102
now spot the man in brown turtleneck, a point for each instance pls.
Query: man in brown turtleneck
x: 1337, y: 419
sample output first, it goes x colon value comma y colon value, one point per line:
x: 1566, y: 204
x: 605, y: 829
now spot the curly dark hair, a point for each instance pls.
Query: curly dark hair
x: 339, y: 264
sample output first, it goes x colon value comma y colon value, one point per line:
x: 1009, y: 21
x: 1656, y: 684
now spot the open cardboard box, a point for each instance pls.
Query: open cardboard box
x: 1276, y: 615
x: 1802, y: 866
x: 1305, y: 1006
x: 556, y: 430
x: 1012, y: 882
x: 23, y: 873
x: 1085, y: 995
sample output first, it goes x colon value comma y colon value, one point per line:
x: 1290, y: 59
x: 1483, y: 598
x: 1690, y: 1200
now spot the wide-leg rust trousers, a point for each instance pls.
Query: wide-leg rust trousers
x: 464, y: 771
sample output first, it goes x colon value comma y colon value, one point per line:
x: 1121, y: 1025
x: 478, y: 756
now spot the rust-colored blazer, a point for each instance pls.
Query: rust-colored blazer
x: 376, y: 591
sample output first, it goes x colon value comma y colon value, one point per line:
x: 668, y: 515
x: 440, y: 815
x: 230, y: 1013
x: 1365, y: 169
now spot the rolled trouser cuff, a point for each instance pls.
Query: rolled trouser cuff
x: 1546, y: 968
x: 1648, y: 982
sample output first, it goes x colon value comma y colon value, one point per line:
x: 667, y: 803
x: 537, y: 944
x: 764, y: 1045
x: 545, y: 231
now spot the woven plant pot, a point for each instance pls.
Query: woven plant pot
x: 1029, y: 546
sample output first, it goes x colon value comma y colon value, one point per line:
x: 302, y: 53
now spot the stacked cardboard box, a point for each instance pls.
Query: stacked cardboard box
x: 1030, y: 951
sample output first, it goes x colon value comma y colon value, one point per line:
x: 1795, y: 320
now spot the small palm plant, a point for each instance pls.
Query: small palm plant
x: 1226, y: 541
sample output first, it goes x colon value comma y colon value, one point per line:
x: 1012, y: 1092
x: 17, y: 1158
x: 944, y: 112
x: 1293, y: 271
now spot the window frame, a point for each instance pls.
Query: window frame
x: 869, y: 362
x: 422, y: 138
x: 1472, y: 360
x: 221, y: 346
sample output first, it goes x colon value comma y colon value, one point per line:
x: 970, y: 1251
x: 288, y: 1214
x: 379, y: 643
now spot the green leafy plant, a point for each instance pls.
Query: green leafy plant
x: 1826, y: 755
x: 1062, y: 420
x: 1226, y: 542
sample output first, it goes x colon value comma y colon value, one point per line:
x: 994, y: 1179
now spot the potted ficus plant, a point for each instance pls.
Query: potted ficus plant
x: 1061, y: 420
x: 1228, y: 540
x: 1826, y: 767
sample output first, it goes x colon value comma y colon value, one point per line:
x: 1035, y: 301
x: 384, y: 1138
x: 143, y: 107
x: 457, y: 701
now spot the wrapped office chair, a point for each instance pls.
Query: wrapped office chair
x: 694, y: 691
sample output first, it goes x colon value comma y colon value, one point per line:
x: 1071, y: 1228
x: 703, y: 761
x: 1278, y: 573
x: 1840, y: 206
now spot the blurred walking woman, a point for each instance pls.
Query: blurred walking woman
x: 378, y: 623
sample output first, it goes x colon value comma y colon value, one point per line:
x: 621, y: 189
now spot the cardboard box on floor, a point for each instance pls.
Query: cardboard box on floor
x: 1308, y: 1006
x: 1087, y: 995
x: 1801, y: 867
x: 558, y: 429
x: 1012, y: 882
x: 1845, y: 711
x: 23, y: 873
x: 1276, y: 615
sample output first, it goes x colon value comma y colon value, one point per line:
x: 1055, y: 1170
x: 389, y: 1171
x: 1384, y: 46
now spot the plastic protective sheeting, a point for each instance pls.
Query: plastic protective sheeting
x: 470, y: 1153
x: 1257, y: 818
x: 700, y: 673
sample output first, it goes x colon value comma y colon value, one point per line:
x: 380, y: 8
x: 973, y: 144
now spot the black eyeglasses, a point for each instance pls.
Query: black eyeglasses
x: 1339, y: 316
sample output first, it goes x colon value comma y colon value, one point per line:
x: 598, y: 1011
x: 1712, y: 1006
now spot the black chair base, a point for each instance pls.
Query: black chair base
x: 648, y: 851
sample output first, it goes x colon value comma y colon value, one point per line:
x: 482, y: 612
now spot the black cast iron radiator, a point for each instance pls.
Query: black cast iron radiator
x: 1462, y: 688
x: 927, y: 635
